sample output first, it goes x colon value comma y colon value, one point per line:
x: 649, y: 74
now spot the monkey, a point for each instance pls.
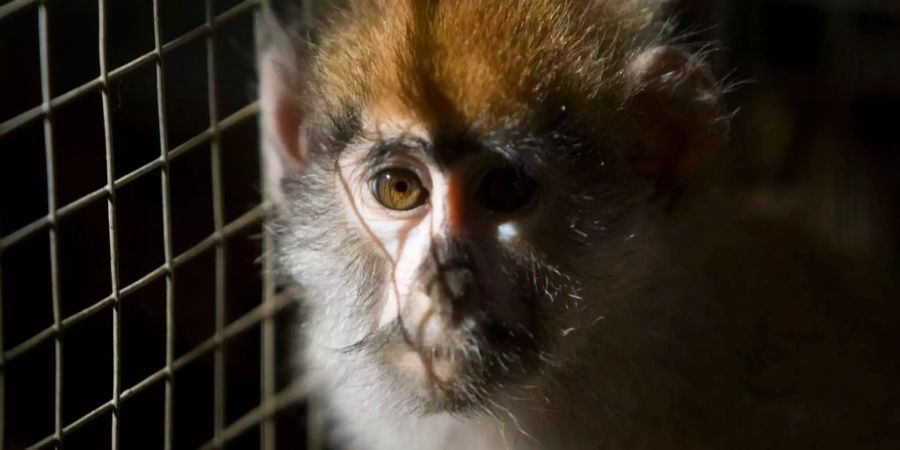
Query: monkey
x: 501, y: 219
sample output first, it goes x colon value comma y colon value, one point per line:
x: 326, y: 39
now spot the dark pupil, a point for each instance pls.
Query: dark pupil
x: 401, y: 186
x: 505, y: 190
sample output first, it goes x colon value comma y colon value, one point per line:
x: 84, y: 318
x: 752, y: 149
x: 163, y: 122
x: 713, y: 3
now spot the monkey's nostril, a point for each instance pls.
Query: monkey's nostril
x: 456, y: 263
x: 457, y: 282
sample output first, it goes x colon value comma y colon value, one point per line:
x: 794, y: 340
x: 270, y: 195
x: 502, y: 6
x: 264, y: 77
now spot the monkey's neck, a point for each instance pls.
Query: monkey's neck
x: 578, y: 419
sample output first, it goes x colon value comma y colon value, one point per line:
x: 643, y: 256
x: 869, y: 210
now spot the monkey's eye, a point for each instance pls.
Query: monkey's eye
x: 505, y: 190
x: 398, y: 189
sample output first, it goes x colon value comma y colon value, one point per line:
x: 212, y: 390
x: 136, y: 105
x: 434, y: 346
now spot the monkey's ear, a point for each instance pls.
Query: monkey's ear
x: 284, y: 139
x: 675, y: 102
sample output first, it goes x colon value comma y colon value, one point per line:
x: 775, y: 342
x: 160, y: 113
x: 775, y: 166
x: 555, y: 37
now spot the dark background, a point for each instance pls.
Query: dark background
x: 815, y: 141
x: 817, y: 100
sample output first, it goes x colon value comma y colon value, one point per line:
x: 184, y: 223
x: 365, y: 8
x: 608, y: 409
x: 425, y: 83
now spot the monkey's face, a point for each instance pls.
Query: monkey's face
x: 451, y: 266
x: 457, y: 312
x: 460, y: 184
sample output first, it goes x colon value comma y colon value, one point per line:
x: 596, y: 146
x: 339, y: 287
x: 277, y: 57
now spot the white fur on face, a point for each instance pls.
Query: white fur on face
x: 404, y: 237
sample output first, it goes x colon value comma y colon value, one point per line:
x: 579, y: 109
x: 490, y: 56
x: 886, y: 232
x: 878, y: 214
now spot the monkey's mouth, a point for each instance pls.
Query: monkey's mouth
x: 463, y: 370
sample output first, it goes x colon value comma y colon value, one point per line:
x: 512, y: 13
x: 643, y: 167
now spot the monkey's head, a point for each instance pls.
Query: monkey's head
x: 463, y: 188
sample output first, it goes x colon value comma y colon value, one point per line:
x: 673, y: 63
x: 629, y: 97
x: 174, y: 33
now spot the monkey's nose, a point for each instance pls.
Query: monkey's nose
x: 460, y: 217
x: 451, y: 271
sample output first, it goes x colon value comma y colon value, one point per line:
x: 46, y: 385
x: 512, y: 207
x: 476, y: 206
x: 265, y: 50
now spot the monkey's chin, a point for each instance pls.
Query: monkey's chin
x: 439, y: 383
x: 459, y: 372
x: 439, y: 371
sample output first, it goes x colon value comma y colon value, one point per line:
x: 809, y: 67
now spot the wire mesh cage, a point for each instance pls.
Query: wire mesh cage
x: 137, y: 312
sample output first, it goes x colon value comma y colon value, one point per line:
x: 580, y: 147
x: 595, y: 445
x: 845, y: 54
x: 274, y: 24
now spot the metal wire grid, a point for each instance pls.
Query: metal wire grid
x: 271, y: 401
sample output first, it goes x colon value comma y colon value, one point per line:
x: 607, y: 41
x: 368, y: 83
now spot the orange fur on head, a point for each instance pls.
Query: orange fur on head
x: 465, y: 64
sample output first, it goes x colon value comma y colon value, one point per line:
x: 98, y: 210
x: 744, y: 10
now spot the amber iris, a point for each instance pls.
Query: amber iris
x: 399, y: 189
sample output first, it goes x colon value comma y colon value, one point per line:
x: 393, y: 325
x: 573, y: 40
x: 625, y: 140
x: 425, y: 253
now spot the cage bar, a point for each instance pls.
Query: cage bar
x: 46, y: 95
x: 279, y: 401
x: 15, y: 6
x: 113, y: 233
x: 168, y: 407
x: 218, y: 222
